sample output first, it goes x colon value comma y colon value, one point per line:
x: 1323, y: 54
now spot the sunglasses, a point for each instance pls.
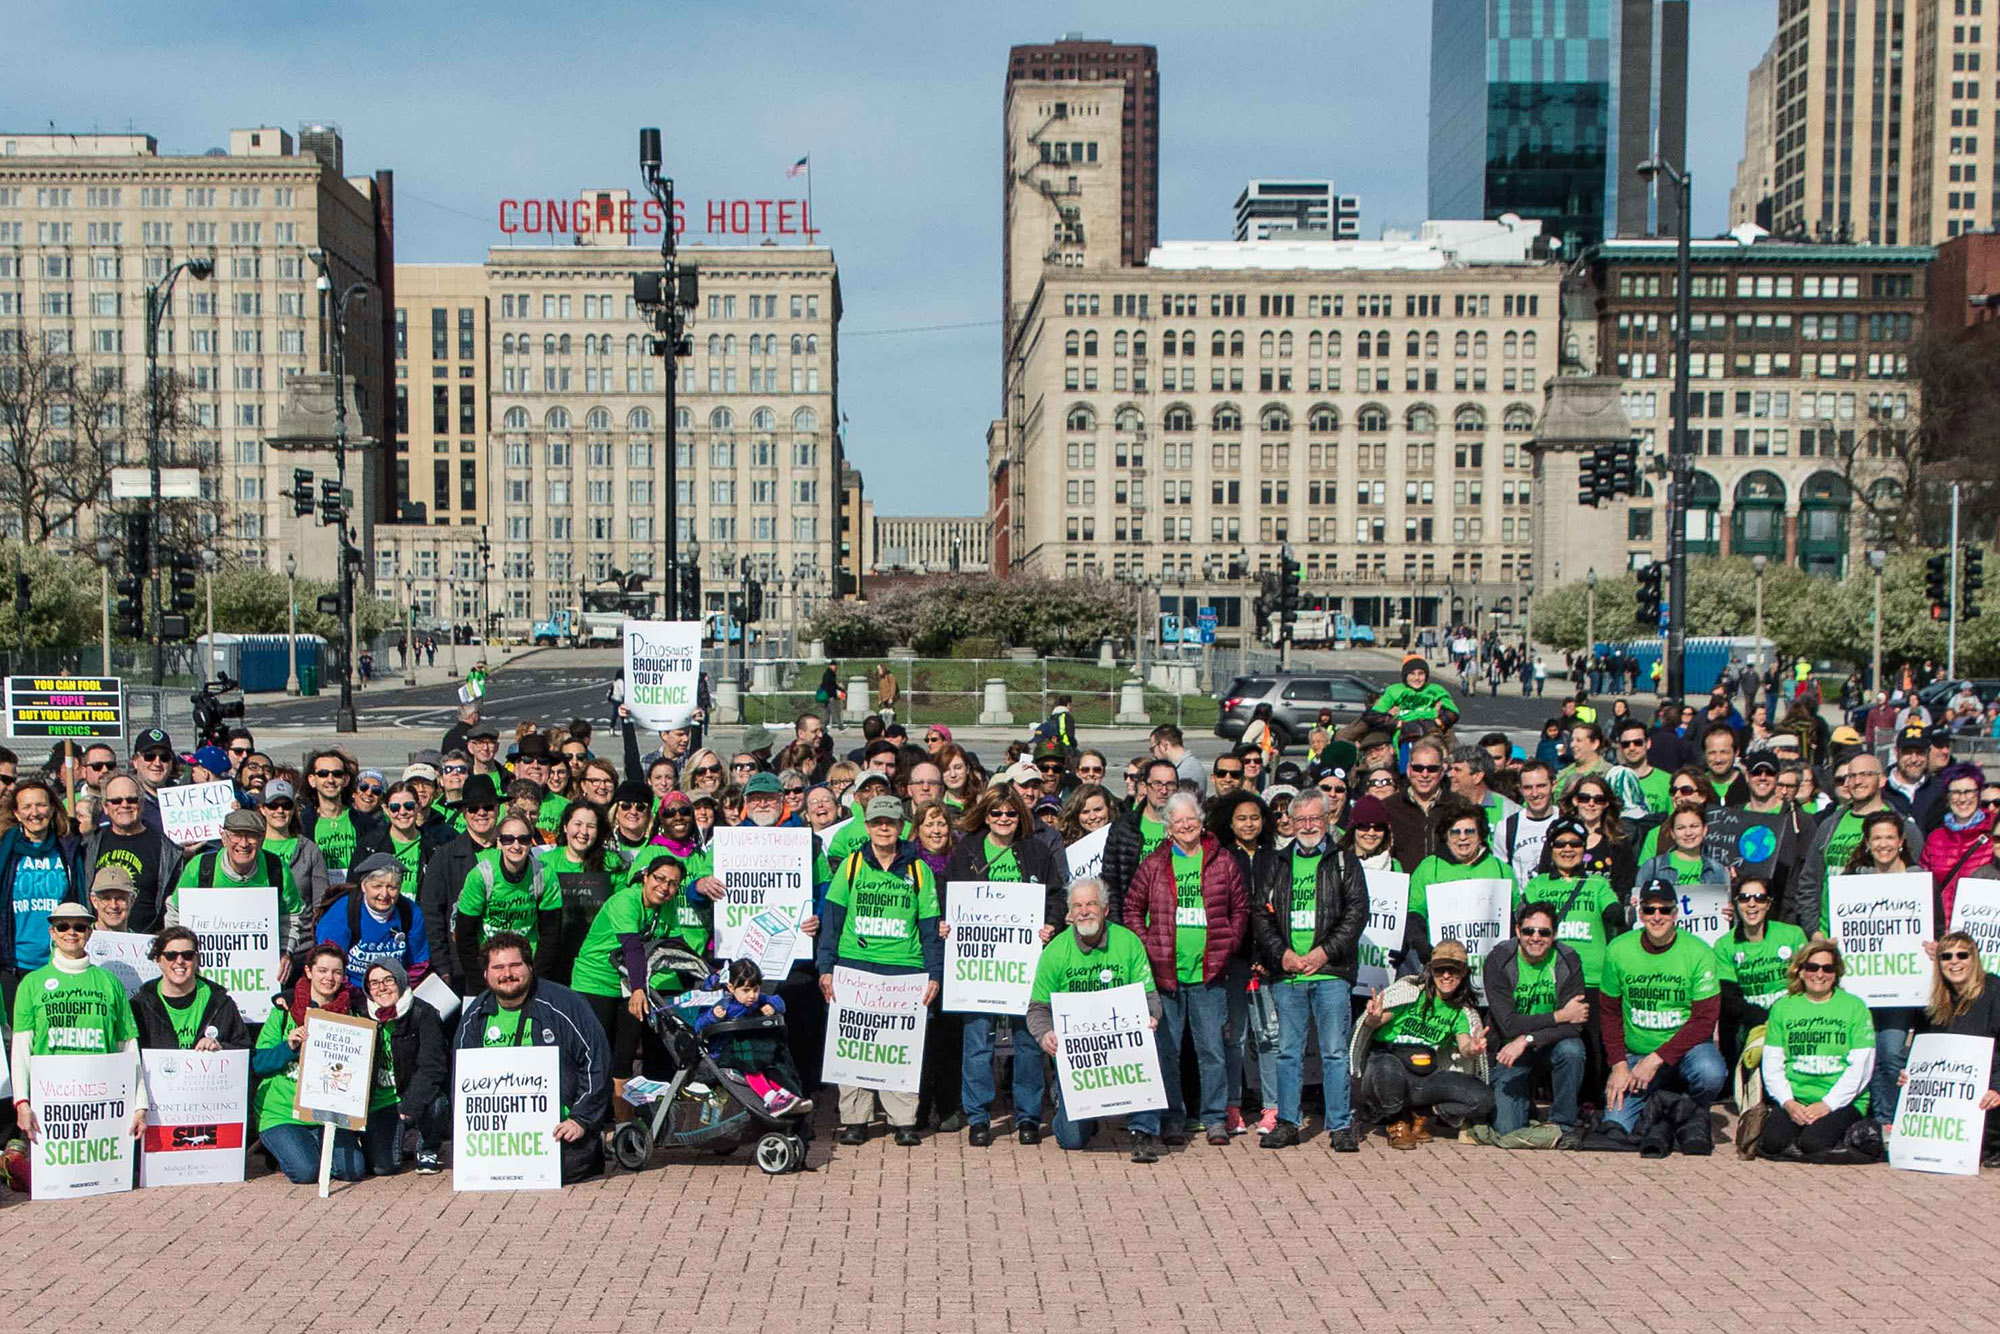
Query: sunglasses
x: 1753, y: 898
x: 1089, y: 770
x: 734, y: 764
x: 1630, y: 742
x: 1537, y: 932
x: 1686, y: 791
x: 456, y: 769
x: 795, y: 792
x: 176, y: 956
x: 1589, y: 799
x: 1382, y: 780
x: 514, y: 840
x: 121, y: 801
x: 329, y: 773
x: 1002, y: 813
x: 1333, y: 789
x: 400, y: 806
x: 1953, y: 956
x: 280, y: 805
x: 70, y: 928
x: 239, y: 750
x: 1371, y: 829
x: 1228, y: 773
x: 1567, y: 845
x: 481, y: 808
x: 1655, y: 910
x: 150, y: 757
x: 672, y: 811
x: 1461, y: 833
x: 99, y: 766
x: 1817, y: 968
x: 1426, y: 768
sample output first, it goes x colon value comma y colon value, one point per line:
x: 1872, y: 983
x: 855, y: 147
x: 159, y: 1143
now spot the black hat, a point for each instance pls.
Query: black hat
x: 483, y: 732
x: 534, y: 746
x: 479, y: 790
x: 1761, y: 762
x: 1569, y: 826
x: 1913, y: 737
x: 150, y: 739
x: 635, y: 791
x: 1939, y: 735
x: 1660, y: 890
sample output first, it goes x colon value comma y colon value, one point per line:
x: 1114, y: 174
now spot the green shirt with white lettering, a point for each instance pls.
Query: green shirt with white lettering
x: 82, y: 1013
x: 499, y: 902
x: 1190, y: 917
x: 1427, y: 1021
x: 1819, y: 1038
x: 1579, y: 905
x: 1759, y: 968
x: 1658, y: 991
x: 1067, y: 966
x: 883, y: 911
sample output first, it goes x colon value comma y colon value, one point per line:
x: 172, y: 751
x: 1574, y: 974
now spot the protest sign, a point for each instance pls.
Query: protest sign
x: 761, y: 870
x: 505, y: 1105
x: 335, y: 1062
x: 1880, y: 923
x: 194, y: 814
x: 875, y: 1030
x: 1086, y: 855
x: 123, y: 955
x: 1975, y: 910
x: 1474, y: 913
x: 434, y: 992
x: 770, y: 938
x: 1388, y: 906
x: 198, y: 1112
x: 662, y: 672
x: 1106, y: 1057
x: 1939, y: 1126
x: 84, y: 1105
x: 1748, y: 839
x: 69, y: 707
x: 1701, y: 912
x: 240, y: 947
x: 995, y: 943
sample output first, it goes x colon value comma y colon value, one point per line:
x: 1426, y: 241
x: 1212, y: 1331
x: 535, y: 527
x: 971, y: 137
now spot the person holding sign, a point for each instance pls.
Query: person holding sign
x: 180, y: 1010
x: 412, y: 1064
x: 610, y: 973
x: 1464, y: 855
x: 1834, y: 843
x: 1095, y: 954
x: 244, y: 864
x: 504, y: 893
x: 881, y: 916
x: 1885, y: 849
x: 292, y: 1143
x: 1661, y: 1003
x: 1685, y: 862
x: 1535, y: 994
x: 1753, y: 960
x: 70, y: 1006
x: 37, y: 871
x: 1409, y: 1045
x: 1965, y: 1001
x: 994, y: 846
x: 1819, y: 1051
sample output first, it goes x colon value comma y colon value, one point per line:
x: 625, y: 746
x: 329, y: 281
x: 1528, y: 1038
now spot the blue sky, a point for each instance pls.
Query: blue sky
x: 898, y: 104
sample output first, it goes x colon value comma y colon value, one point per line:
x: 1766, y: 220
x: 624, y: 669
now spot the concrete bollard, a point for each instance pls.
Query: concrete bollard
x: 1132, y: 702
x: 763, y: 678
x: 857, y: 699
x: 1106, y: 656
x: 816, y: 650
x: 728, y: 704
x: 994, y: 712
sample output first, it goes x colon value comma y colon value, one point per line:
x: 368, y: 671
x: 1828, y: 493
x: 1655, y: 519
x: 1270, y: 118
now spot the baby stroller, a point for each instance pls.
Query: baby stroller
x: 707, y: 1105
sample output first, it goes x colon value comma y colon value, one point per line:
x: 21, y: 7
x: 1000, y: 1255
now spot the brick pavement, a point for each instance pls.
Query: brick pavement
x: 947, y: 1238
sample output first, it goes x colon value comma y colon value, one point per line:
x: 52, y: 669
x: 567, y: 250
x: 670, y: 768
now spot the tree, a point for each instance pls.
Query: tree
x: 62, y: 430
x: 1047, y: 615
x: 1901, y: 464
x: 250, y: 600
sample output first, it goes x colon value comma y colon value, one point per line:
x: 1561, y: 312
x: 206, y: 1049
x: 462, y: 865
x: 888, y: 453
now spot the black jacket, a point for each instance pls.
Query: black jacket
x: 1980, y: 1020
x: 968, y: 862
x: 156, y: 1026
x: 418, y: 1051
x: 1502, y: 971
x: 146, y: 913
x: 430, y: 838
x: 556, y: 1017
x: 1340, y: 912
x: 437, y: 895
x: 1122, y: 853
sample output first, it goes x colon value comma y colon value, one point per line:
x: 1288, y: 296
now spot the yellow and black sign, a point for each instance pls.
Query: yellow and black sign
x: 82, y: 707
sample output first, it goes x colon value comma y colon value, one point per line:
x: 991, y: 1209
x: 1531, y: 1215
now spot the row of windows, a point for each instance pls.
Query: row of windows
x: 1278, y: 528
x: 150, y: 196
x: 639, y: 454
x: 1321, y: 418
x: 564, y: 306
x: 1367, y: 344
x: 641, y: 419
x: 1769, y: 286
x: 1083, y: 491
x: 1772, y: 365
x: 1418, y: 457
x: 1320, y: 305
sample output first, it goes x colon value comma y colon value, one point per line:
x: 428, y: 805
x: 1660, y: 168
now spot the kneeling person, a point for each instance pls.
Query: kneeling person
x: 1534, y: 994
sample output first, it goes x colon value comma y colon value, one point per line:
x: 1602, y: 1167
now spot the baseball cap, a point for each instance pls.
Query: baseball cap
x: 279, y: 790
x: 882, y: 808
x: 1048, y: 748
x: 213, y: 758
x: 1844, y: 736
x: 1939, y: 735
x: 1567, y: 827
x: 112, y: 879
x: 1763, y: 762
x: 243, y: 822
x: 1913, y: 738
x: 423, y: 771
x: 869, y: 778
x: 153, y: 738
x: 1448, y: 953
x: 1021, y: 771
x: 764, y: 784
x: 1660, y: 890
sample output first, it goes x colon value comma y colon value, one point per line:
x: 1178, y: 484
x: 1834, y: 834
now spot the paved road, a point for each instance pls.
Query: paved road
x: 947, y: 1238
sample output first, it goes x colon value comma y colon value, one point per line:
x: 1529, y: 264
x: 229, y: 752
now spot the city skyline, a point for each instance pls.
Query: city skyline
x: 907, y: 202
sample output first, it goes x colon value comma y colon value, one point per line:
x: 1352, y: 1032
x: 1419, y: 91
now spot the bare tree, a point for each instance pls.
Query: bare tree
x: 62, y: 426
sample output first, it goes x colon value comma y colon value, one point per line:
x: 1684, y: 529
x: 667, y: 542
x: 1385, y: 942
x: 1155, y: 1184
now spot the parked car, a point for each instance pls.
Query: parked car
x: 1940, y: 693
x: 1295, y: 702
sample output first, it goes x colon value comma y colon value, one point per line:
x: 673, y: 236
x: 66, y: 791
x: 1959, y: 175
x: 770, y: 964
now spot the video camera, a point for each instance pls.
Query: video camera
x: 213, y: 714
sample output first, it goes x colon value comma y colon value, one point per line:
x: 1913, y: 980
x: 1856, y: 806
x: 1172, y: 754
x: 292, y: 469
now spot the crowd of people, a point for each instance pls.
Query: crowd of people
x: 531, y: 875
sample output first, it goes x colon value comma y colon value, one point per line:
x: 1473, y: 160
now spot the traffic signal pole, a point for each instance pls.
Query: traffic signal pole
x: 1951, y: 601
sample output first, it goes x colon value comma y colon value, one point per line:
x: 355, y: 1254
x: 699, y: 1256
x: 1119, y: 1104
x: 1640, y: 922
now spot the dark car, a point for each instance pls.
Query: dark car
x: 1940, y: 694
x: 1295, y: 703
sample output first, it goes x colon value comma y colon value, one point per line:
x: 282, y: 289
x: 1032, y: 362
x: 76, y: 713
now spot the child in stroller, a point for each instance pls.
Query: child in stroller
x: 743, y: 996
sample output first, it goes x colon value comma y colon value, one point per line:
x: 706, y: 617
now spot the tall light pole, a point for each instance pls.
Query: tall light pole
x: 666, y: 298
x: 208, y: 562
x: 1590, y: 611
x: 1679, y: 459
x: 291, y: 623
x: 409, y: 627
x: 158, y: 295
x: 1878, y: 560
x: 1528, y: 634
x: 335, y: 304
x: 1757, y: 567
x: 107, y: 551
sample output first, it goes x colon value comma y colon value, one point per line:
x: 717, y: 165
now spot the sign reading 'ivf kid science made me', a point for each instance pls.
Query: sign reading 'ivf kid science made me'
x: 662, y: 672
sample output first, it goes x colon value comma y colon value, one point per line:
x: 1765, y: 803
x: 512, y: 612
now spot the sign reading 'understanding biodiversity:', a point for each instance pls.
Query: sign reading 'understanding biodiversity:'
x: 79, y: 707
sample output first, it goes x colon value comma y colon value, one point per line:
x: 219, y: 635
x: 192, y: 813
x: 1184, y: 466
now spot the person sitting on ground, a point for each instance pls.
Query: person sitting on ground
x: 743, y: 996
x: 1965, y: 1000
x: 1406, y: 1077
x: 1662, y: 1000
x: 1819, y: 1052
x: 293, y: 1144
x: 180, y: 1010
x: 412, y: 1073
x: 1535, y: 995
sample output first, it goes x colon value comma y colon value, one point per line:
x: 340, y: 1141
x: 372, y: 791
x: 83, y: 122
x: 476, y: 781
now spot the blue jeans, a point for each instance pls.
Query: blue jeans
x: 1892, y: 1053
x: 1513, y: 1085
x: 1261, y: 1039
x: 1202, y: 1010
x: 1075, y: 1134
x: 1329, y: 1007
x: 296, y: 1148
x: 976, y: 1084
x: 1701, y: 1075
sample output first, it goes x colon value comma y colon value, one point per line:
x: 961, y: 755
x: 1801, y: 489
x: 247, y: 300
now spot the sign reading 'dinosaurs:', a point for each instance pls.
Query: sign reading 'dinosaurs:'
x: 506, y: 1102
x: 1105, y: 1054
x: 1474, y: 913
x: 65, y: 706
x: 84, y: 1104
x: 875, y: 1030
x: 198, y: 1104
x: 1388, y: 905
x: 238, y: 931
x: 1938, y: 1122
x: 995, y: 944
x: 1881, y: 923
x: 662, y: 671
x: 761, y: 870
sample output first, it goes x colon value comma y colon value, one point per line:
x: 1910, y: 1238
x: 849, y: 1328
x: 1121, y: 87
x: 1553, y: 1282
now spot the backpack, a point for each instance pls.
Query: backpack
x: 345, y: 893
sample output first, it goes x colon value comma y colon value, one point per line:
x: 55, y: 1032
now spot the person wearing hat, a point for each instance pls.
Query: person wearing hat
x: 412, y: 1073
x: 1662, y: 998
x: 111, y: 894
x: 375, y: 919
x: 445, y: 875
x: 482, y: 743
x: 1052, y: 764
x: 1535, y: 997
x: 407, y: 832
x: 369, y: 785
x: 244, y: 863
x: 1412, y: 1032
x: 897, y: 933
x: 125, y: 839
x: 631, y: 817
x: 279, y: 808
x: 180, y: 1010
x: 154, y: 760
x: 1413, y: 702
x: 1833, y: 844
x: 531, y: 762
x: 71, y: 1006
x: 422, y: 775
x: 210, y: 764
x: 1907, y: 784
x: 853, y: 836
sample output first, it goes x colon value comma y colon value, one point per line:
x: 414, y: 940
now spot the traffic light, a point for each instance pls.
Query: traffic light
x: 1936, y: 571
x: 139, y: 544
x: 301, y: 492
x: 181, y: 581
x: 1970, y: 581
x: 331, y: 510
x: 1289, y: 575
x: 129, y: 616
x: 1587, y: 479
x: 1649, y: 596
x: 754, y: 612
x: 1624, y: 477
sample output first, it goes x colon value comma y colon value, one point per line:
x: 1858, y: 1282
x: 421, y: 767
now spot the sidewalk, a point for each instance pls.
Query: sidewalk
x: 389, y: 673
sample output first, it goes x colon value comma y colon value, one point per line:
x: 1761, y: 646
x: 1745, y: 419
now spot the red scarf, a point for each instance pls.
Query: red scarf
x: 302, y: 1000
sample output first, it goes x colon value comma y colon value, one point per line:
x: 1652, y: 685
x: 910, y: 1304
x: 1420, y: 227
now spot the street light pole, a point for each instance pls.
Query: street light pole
x: 107, y: 551
x: 157, y: 296
x: 291, y: 624
x: 1590, y: 611
x: 208, y: 568
x: 666, y: 297
x: 1679, y: 458
x: 1877, y: 561
x: 1757, y: 566
x: 409, y: 627
x: 336, y: 304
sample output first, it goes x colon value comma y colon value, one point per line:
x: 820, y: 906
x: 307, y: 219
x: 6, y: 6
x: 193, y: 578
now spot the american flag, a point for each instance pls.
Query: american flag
x: 799, y: 168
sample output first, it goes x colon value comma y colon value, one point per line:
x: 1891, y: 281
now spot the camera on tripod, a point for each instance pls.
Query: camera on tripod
x: 212, y: 713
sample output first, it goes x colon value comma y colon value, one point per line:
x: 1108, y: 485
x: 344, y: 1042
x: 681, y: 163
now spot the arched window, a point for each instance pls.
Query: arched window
x: 1090, y: 342
x: 1528, y: 341
x: 639, y: 419
x: 506, y: 345
x: 1519, y: 419
x: 1364, y: 347
x: 812, y: 345
x: 1131, y: 419
x: 1315, y: 344
x: 1461, y: 344
x: 1325, y: 419
x: 714, y: 346
x: 1410, y: 345
x: 1285, y: 343
x: 548, y: 345
x: 1226, y: 418
x: 1333, y: 345
x: 1420, y: 420
x: 1267, y: 345
x: 763, y: 419
x: 1072, y: 343
x: 1373, y: 419
x: 1217, y: 344
x: 1081, y: 418
x: 1275, y: 420
x: 722, y: 419
x: 590, y: 345
x: 1468, y: 418
x: 756, y: 346
x: 1479, y: 346
x: 516, y: 419
x: 805, y: 419
x: 1139, y: 343
x: 1510, y: 346
x: 631, y: 345
x: 729, y: 345
x: 557, y: 419
x: 798, y: 345
x: 1431, y: 345
x: 562, y: 345
x: 597, y: 419
x: 1704, y: 527
x: 1120, y: 344
x: 1178, y: 418
x: 1236, y: 343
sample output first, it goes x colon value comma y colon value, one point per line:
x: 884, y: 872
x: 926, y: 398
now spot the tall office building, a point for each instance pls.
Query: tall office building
x: 1543, y: 108
x: 1296, y: 210
x: 1073, y: 109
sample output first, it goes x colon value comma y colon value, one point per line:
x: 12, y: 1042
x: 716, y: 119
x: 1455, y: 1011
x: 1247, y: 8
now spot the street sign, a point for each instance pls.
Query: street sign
x: 80, y: 707
x: 137, y: 484
x: 1205, y: 619
x: 1170, y: 628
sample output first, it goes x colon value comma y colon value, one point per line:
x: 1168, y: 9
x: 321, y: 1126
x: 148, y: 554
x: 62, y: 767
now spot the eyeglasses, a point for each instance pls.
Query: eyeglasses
x: 1089, y: 770
x: 176, y: 956
x: 279, y: 805
x: 1381, y: 780
x: 1962, y: 792
x: 597, y: 780
x: 1589, y: 799
x: 329, y: 773
x: 99, y: 766
x: 1536, y: 932
x: 121, y: 801
x: 631, y: 805
x: 1684, y: 791
x: 514, y: 840
x: 401, y: 807
x: 71, y: 928
x: 1753, y: 898
x: 1656, y: 910
x: 1461, y: 833
x: 483, y: 808
x: 1818, y: 968
x: 1567, y: 845
x: 1229, y: 773
x: 1426, y: 768
x: 1953, y: 956
x: 734, y: 764
x: 456, y: 769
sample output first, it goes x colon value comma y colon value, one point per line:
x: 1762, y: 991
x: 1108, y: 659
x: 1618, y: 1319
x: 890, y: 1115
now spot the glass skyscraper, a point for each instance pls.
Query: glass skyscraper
x: 1543, y: 108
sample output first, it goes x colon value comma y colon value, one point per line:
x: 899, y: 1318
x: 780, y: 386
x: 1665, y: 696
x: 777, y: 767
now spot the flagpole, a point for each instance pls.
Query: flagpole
x: 809, y: 200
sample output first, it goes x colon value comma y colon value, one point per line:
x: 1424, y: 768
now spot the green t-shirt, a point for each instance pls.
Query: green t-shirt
x: 1151, y: 835
x: 1535, y: 984
x: 335, y: 839
x: 548, y: 818
x: 884, y: 911
x: 1413, y: 705
x: 274, y: 1096
x: 624, y: 913
x: 83, y: 1013
x: 383, y: 1094
x: 282, y: 848
x: 1759, y: 967
x: 186, y: 1019
x: 853, y: 837
x: 1687, y: 870
x: 410, y: 854
x: 506, y: 1028
x: 1846, y: 837
x: 1658, y: 991
x: 1001, y: 863
x: 1305, y: 911
x: 1658, y: 786
x: 1581, y: 925
x: 499, y: 904
x: 1425, y: 1022
x: 221, y: 877
x: 1190, y: 917
x: 1437, y: 871
x: 1067, y: 966
x: 1819, y: 1038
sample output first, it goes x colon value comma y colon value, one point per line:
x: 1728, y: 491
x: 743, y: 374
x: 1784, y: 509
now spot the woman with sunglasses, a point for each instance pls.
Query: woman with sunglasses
x: 510, y: 892
x: 1370, y: 837
x: 69, y: 1006
x: 1963, y: 838
x: 1965, y: 1001
x: 1379, y: 783
x: 1589, y: 916
x: 704, y: 772
x: 1591, y: 803
x: 38, y: 870
x: 180, y: 1010
x: 281, y: 836
x: 1464, y: 854
x: 631, y: 812
x: 1686, y: 784
x: 1751, y: 963
x: 1405, y: 1074
x: 403, y: 836
x: 1819, y: 1054
x: 1884, y: 849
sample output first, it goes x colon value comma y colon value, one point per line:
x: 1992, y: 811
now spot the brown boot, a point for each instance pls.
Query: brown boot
x: 621, y: 1110
x: 1400, y: 1134
x: 1420, y: 1129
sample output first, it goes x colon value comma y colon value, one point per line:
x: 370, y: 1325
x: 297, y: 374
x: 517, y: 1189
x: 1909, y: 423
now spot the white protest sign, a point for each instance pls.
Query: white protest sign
x: 335, y: 1063
x: 994, y: 946
x: 662, y: 672
x: 194, y: 814
x: 434, y: 992
x: 200, y: 1104
x: 770, y: 938
x: 832, y: 831
x: 505, y: 1105
x: 1701, y: 912
x: 875, y: 1030
x: 1106, y: 1057
x: 123, y: 955
x: 1086, y: 855
x: 84, y: 1104
x: 238, y: 930
x: 1975, y: 910
x: 1939, y: 1126
x: 761, y: 870
x: 1388, y: 906
x: 1473, y: 913
x: 1880, y: 923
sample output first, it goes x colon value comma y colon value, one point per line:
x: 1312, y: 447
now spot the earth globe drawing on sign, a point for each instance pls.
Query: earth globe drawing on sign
x: 1757, y: 844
